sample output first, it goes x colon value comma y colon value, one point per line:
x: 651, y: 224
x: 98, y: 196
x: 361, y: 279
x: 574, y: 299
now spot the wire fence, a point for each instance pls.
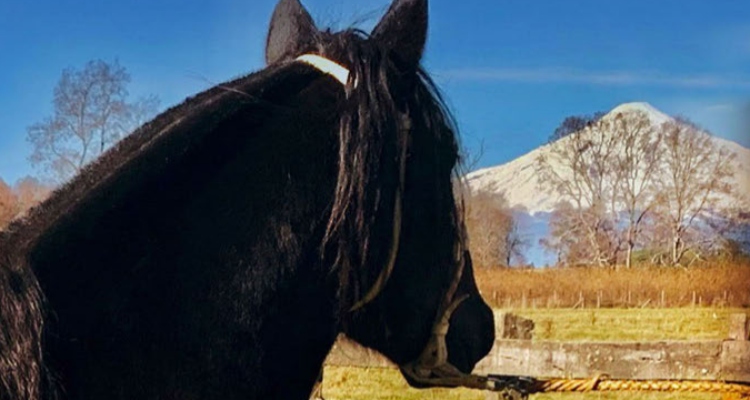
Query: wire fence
x: 605, y: 299
x: 722, y: 286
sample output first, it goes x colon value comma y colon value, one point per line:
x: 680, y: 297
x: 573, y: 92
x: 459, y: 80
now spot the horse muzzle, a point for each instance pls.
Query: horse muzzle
x: 432, y: 367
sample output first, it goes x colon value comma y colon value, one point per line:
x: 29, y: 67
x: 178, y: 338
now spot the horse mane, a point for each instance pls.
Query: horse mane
x: 372, y: 138
x: 371, y: 141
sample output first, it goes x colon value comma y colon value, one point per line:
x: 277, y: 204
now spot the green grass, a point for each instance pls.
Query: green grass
x: 630, y: 324
x: 345, y: 383
x: 627, y: 396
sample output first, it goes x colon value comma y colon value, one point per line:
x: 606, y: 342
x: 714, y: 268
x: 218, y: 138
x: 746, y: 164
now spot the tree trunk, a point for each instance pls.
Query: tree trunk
x: 676, y: 250
x: 629, y: 256
x: 631, y: 244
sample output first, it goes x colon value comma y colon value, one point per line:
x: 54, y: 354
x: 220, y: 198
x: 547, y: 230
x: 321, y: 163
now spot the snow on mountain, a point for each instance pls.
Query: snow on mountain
x: 518, y: 180
x: 657, y: 117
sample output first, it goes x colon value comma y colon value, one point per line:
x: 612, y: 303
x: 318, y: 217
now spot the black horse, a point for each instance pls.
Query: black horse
x: 217, y: 252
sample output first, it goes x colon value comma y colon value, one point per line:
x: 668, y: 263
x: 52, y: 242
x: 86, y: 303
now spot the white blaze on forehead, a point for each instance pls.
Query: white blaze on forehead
x: 326, y: 66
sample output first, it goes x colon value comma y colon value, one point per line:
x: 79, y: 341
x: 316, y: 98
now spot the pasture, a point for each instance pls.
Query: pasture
x: 350, y: 383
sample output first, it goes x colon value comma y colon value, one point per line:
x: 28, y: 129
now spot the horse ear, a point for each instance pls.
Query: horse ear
x: 291, y: 29
x: 403, y: 30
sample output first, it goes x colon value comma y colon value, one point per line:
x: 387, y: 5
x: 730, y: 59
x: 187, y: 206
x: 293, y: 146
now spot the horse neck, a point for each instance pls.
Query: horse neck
x: 196, y: 269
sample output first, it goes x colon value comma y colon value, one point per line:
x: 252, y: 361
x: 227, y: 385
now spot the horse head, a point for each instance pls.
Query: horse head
x: 396, y: 230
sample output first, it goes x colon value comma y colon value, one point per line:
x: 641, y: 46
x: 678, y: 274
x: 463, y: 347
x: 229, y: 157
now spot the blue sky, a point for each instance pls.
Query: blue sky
x: 511, y: 70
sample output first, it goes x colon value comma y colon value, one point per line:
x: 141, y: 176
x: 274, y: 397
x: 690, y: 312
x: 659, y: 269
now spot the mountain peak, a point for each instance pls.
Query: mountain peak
x: 656, y: 116
x: 518, y: 179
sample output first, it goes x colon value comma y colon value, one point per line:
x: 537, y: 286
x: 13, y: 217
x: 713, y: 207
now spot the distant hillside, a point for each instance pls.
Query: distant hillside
x: 518, y: 181
x: 517, y: 178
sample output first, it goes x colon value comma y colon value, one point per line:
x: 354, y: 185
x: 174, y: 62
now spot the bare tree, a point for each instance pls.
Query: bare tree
x: 564, y: 236
x: 8, y: 204
x: 137, y: 114
x: 637, y: 163
x: 582, y: 169
x: 514, y: 244
x: 575, y: 123
x: 16, y: 200
x: 623, y: 181
x: 91, y: 112
x: 30, y: 192
x: 485, y: 215
x: 694, y: 179
x: 581, y: 236
x: 736, y: 234
x: 494, y: 237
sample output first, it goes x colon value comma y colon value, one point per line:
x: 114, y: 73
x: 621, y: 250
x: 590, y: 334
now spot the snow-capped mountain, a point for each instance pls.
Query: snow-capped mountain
x: 518, y: 180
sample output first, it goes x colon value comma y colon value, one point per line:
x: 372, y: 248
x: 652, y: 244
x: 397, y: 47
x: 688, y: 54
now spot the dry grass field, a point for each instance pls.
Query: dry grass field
x: 643, y: 287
